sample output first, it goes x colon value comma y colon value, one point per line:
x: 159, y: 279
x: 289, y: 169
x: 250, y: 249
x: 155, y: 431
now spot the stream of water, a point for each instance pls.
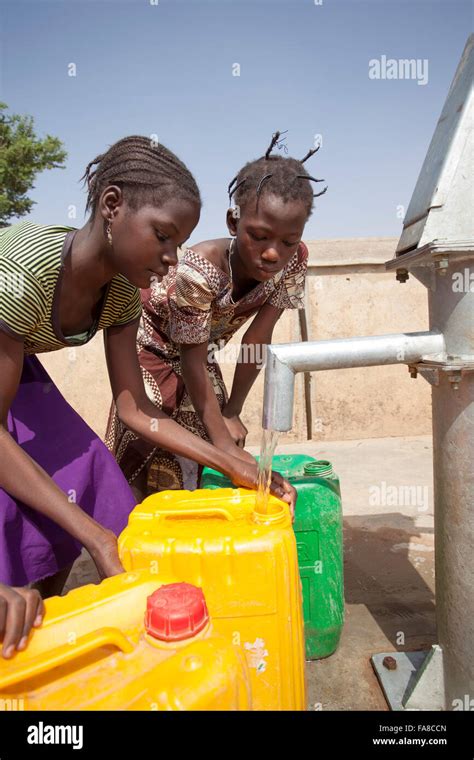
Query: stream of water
x: 267, y: 449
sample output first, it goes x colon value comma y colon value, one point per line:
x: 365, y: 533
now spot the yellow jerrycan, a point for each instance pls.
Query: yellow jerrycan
x: 246, y: 563
x: 133, y: 642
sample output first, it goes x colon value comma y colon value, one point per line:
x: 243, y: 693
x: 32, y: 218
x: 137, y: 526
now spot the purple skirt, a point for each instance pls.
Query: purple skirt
x: 42, y: 422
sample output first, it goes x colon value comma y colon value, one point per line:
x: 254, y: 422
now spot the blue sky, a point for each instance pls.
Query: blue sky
x: 166, y: 69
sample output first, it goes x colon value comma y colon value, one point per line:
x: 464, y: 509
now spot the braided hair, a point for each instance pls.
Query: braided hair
x: 276, y: 175
x: 146, y: 172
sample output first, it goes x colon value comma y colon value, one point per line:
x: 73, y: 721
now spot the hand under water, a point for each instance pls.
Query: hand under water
x: 245, y: 473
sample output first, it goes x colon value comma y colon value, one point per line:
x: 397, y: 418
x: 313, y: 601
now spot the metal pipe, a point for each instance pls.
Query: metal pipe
x: 284, y: 360
x: 453, y: 470
x: 451, y: 309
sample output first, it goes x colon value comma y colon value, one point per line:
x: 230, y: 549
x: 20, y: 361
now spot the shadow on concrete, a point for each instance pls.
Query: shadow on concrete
x: 389, y: 568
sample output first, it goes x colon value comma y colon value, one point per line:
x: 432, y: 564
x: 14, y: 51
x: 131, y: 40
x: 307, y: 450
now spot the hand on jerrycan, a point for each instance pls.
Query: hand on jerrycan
x: 20, y: 610
x: 245, y: 473
x: 105, y: 554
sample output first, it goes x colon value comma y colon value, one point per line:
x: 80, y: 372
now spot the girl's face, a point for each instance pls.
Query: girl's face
x: 145, y: 242
x: 267, y: 238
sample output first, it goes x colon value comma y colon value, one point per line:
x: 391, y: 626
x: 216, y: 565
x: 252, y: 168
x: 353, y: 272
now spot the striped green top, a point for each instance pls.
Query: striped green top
x: 31, y: 267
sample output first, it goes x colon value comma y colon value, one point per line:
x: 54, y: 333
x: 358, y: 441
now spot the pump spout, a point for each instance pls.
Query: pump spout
x: 284, y: 360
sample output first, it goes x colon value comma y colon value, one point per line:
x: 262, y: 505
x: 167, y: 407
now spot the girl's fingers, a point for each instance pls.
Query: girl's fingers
x: 14, y: 625
x: 284, y: 491
x: 106, y: 557
x: 280, y: 485
x: 33, y: 603
x: 290, y: 500
x: 3, y: 616
x: 288, y: 488
x: 40, y: 612
x: 277, y: 490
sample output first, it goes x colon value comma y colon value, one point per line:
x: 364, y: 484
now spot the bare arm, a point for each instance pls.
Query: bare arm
x: 141, y: 416
x: 200, y: 388
x: 26, y: 481
x: 225, y: 428
x: 252, y: 357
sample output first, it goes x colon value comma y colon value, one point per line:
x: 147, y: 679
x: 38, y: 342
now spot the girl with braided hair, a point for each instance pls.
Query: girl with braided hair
x: 60, y: 488
x: 217, y: 286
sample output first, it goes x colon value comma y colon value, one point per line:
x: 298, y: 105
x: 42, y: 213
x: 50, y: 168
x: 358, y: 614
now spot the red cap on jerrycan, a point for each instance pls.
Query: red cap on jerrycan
x: 176, y: 611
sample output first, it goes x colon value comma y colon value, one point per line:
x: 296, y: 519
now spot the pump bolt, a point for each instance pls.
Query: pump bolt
x: 455, y: 380
x: 442, y: 266
x: 402, y: 275
x: 390, y: 663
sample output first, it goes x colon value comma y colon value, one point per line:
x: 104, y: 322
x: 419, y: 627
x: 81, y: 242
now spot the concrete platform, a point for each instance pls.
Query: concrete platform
x: 387, y: 496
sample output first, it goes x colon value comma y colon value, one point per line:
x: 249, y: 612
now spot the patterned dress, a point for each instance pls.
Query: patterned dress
x: 191, y: 305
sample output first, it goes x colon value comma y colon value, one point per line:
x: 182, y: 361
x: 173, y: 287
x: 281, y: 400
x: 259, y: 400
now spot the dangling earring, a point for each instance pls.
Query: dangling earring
x: 108, y: 231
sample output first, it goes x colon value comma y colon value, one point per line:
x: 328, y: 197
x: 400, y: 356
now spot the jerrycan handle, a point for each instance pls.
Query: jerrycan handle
x: 208, y: 511
x: 64, y: 653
